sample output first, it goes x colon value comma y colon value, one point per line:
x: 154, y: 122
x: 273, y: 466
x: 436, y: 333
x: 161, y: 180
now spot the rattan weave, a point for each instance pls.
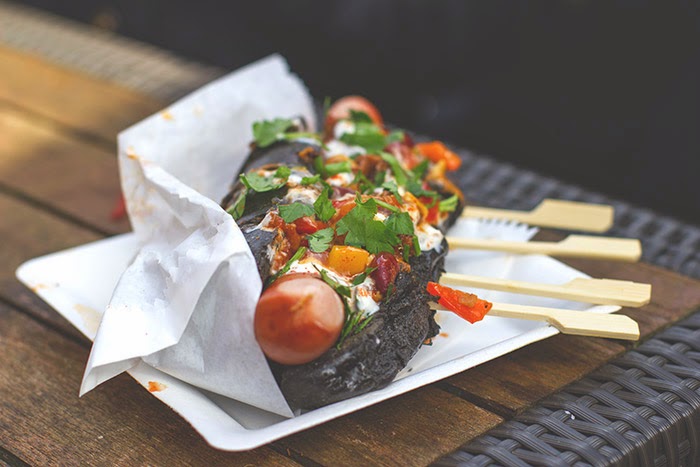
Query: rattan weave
x: 642, y: 409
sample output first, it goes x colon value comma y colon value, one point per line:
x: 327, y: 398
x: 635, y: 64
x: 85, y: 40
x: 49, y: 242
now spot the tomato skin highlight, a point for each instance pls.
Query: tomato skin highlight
x: 297, y: 319
x: 466, y: 305
x: 341, y: 108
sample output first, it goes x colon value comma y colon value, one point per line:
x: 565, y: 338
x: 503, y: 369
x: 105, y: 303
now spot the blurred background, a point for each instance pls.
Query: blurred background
x: 603, y: 94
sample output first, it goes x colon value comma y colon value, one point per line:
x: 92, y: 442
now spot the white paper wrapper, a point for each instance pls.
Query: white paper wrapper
x: 185, y: 304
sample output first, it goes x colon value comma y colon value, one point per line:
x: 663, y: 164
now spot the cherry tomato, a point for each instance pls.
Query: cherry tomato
x: 341, y: 110
x: 297, y: 319
x: 465, y: 305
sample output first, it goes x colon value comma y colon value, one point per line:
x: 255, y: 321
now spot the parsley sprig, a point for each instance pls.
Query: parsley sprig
x: 362, y: 230
x: 267, y: 132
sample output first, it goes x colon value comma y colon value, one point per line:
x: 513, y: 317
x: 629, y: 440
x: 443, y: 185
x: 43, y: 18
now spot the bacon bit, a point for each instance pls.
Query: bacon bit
x: 155, y: 386
x: 167, y: 115
x: 466, y: 305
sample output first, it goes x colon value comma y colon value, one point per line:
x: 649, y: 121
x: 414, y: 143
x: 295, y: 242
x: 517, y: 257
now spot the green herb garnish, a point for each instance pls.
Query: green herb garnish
x: 357, y: 116
x: 306, y: 181
x: 341, y: 289
x: 364, y: 231
x: 448, y: 204
x: 267, y: 132
x: 323, y: 207
x: 360, y: 278
x: 320, y: 240
x: 394, y: 189
x: 386, y: 205
x: 400, y: 174
x: 260, y: 183
x: 337, y: 167
x: 400, y: 223
x: 291, y: 212
x: 295, y: 257
x: 366, y: 135
x: 238, y: 207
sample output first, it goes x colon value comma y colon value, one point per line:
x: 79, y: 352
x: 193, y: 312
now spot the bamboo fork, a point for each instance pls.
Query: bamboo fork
x: 578, y: 246
x: 580, y: 323
x: 597, y: 291
x: 554, y: 213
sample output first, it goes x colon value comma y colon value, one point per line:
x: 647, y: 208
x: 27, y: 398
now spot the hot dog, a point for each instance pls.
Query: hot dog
x: 347, y: 230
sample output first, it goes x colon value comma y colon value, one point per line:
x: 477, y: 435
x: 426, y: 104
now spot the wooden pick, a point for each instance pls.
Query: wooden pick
x: 597, y: 291
x: 554, y: 213
x: 581, y: 323
x: 574, y: 246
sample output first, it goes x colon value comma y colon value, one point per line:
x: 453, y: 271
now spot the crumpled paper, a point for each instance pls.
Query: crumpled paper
x: 185, y: 305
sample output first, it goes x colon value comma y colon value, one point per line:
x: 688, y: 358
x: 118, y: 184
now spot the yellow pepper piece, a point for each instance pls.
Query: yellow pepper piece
x: 347, y: 260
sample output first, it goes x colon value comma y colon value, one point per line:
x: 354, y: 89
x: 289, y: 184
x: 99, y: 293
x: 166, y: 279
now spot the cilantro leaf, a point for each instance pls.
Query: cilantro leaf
x: 448, y: 204
x: 362, y: 230
x: 379, y: 238
x: 394, y: 137
x: 399, y: 173
x: 366, y: 135
x: 400, y: 223
x: 363, y: 184
x: 320, y: 240
x: 283, y: 172
x: 267, y: 132
x: 291, y: 212
x: 416, y: 188
x: 358, y: 116
x: 420, y: 169
x: 306, y: 181
x: 338, y: 167
x: 260, y: 183
x: 394, y: 189
x: 323, y: 207
x: 238, y: 207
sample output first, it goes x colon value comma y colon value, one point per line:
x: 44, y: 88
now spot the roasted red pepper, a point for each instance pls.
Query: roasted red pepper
x: 466, y: 305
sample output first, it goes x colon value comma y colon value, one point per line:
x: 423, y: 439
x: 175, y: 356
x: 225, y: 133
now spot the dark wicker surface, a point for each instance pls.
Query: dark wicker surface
x: 641, y: 409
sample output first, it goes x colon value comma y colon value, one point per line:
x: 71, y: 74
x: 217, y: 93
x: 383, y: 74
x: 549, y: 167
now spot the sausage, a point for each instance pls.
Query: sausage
x: 297, y: 319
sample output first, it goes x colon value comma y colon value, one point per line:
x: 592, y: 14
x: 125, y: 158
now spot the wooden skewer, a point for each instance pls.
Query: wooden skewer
x: 579, y: 323
x: 554, y: 213
x: 598, y: 291
x: 578, y: 246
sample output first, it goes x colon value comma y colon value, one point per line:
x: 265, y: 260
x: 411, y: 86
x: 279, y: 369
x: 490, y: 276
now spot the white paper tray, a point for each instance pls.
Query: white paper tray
x: 79, y: 282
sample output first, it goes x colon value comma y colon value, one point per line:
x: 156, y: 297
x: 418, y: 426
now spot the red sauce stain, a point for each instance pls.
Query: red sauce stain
x: 155, y: 386
x: 444, y: 334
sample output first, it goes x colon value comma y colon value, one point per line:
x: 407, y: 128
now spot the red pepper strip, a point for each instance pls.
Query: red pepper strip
x: 436, y: 151
x: 466, y: 305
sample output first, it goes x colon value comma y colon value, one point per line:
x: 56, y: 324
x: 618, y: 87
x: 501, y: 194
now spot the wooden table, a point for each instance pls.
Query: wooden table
x: 58, y: 184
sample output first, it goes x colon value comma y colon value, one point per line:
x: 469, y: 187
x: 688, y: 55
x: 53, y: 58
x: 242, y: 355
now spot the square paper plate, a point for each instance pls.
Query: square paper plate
x: 79, y: 282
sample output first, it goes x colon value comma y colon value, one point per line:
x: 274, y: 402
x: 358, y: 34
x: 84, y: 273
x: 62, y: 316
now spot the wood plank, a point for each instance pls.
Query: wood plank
x: 44, y: 422
x: 72, y: 177
x: 27, y: 232
x: 67, y: 96
x: 413, y: 429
